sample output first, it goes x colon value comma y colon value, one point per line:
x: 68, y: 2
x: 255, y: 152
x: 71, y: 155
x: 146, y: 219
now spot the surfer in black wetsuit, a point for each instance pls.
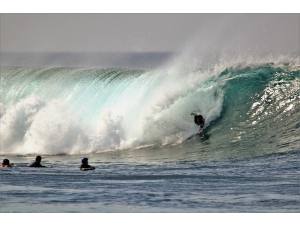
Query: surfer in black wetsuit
x: 200, y: 121
x: 85, y: 165
x: 37, y: 162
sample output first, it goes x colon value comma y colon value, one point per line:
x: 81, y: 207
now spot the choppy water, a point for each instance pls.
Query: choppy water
x: 260, y: 184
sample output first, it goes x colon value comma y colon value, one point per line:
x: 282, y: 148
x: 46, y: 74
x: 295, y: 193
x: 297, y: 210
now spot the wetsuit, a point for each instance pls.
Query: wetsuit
x: 36, y: 164
x: 86, y: 167
x: 200, y: 121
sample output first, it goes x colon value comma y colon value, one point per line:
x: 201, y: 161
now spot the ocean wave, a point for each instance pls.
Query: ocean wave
x: 75, y: 111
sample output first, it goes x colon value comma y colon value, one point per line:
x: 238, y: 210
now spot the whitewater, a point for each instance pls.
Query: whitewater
x: 135, y: 125
x: 80, y: 111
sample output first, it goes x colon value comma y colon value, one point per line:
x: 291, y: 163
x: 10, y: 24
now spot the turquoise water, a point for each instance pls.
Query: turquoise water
x: 135, y: 127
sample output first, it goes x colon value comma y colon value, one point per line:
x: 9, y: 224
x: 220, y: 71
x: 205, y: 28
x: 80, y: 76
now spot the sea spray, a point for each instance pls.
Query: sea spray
x: 72, y: 111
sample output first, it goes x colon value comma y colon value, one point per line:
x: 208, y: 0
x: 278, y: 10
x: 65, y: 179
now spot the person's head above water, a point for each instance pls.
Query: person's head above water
x: 85, y: 165
x: 38, y: 159
x: 85, y: 161
x: 37, y: 162
x: 5, y: 162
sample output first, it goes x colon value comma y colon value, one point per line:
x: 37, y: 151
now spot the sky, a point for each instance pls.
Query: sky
x: 142, y: 32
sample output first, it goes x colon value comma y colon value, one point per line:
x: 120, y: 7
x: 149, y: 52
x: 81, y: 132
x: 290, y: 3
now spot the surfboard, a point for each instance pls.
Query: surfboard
x: 198, y: 136
x: 85, y: 169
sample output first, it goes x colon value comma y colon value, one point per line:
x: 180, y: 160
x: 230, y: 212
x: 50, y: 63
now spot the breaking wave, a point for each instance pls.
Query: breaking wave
x: 75, y: 111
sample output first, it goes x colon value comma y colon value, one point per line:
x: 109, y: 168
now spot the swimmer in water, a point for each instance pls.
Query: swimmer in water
x: 85, y: 165
x: 37, y: 162
x: 6, y: 164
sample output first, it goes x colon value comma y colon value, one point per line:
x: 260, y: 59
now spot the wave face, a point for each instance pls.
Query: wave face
x: 75, y: 111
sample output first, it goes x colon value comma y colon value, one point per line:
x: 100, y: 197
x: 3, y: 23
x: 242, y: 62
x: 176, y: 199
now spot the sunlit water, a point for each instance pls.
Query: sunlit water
x: 145, y: 183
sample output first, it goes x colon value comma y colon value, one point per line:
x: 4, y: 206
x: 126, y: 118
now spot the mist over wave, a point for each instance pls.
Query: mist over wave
x: 133, y: 60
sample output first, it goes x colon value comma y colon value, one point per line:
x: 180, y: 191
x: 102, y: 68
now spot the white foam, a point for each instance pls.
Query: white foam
x: 16, y: 121
x: 150, y: 109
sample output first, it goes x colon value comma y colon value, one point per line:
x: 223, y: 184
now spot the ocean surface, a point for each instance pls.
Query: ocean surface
x: 136, y: 129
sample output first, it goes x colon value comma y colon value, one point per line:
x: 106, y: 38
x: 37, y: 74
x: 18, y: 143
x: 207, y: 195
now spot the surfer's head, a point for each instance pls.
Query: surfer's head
x: 199, y: 120
x: 38, y: 159
x: 85, y: 161
x: 5, y: 162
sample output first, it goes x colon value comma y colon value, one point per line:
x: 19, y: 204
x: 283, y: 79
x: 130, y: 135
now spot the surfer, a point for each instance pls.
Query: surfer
x: 6, y: 163
x: 85, y: 165
x: 37, y: 162
x: 200, y: 121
